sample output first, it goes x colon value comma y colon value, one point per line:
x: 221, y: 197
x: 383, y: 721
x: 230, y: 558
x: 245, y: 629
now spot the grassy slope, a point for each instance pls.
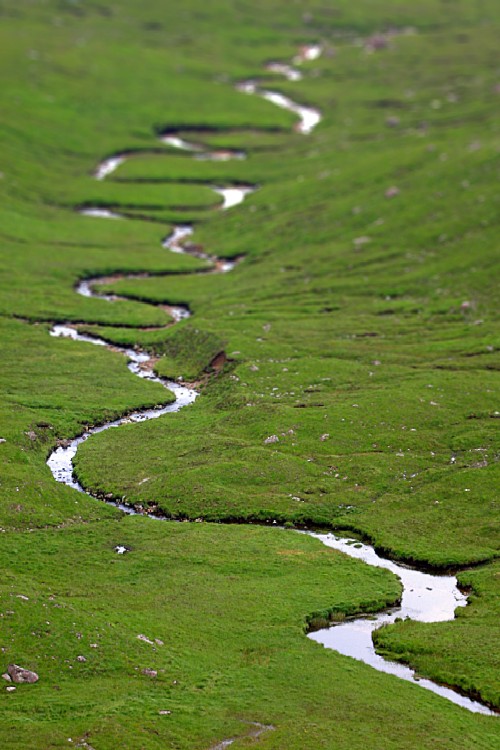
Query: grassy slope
x: 76, y: 93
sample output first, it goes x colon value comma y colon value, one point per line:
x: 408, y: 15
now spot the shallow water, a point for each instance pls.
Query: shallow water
x: 309, y: 117
x: 308, y: 53
x: 426, y: 598
x: 108, y: 166
x: 200, y: 152
x: 176, y: 142
x: 233, y: 196
x: 60, y: 461
x: 282, y: 69
x: 99, y: 213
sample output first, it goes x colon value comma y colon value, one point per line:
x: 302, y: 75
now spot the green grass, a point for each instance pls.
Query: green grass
x: 229, y: 605
x: 368, y: 344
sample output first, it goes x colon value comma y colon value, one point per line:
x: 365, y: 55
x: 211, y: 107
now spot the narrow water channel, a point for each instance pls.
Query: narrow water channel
x: 426, y: 597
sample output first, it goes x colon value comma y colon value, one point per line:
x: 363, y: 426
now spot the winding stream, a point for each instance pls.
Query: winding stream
x: 426, y: 597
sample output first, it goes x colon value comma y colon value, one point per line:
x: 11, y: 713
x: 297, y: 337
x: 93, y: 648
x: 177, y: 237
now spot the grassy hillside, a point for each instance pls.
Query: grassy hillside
x: 361, y: 328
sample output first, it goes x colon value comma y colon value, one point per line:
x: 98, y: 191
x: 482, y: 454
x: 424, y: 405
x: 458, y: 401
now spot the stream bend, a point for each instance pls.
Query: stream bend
x: 426, y: 597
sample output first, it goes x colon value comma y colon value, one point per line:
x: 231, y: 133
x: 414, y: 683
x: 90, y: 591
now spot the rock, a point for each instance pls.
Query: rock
x: 7, y: 677
x: 81, y: 658
x: 20, y: 675
x: 392, y: 121
x: 10, y: 689
x: 144, y: 638
x: 271, y: 439
x: 392, y: 192
x: 150, y: 672
x: 324, y: 437
x: 164, y: 713
x: 376, y: 42
x: 360, y: 241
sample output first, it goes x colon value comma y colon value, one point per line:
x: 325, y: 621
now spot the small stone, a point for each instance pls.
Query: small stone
x: 20, y: 675
x: 144, y: 639
x: 10, y: 689
x: 392, y: 121
x: 157, y: 640
x: 271, y: 439
x: 81, y: 658
x: 324, y: 437
x: 164, y: 713
x: 392, y: 192
x: 7, y: 677
x: 376, y: 42
x: 150, y: 672
x: 360, y: 241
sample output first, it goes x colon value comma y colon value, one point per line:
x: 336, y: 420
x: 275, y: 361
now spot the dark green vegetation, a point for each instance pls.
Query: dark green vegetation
x: 385, y: 347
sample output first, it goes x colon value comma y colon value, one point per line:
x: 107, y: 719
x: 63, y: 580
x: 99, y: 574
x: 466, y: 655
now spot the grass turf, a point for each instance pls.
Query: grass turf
x: 386, y: 344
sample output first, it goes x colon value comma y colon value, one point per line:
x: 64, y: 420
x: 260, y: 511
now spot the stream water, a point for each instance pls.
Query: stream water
x: 426, y: 597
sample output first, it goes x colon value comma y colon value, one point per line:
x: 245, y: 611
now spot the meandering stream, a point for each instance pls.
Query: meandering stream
x: 426, y: 597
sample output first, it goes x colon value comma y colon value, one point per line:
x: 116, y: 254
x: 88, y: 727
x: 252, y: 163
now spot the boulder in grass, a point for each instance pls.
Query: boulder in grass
x: 19, y: 674
x: 392, y: 192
